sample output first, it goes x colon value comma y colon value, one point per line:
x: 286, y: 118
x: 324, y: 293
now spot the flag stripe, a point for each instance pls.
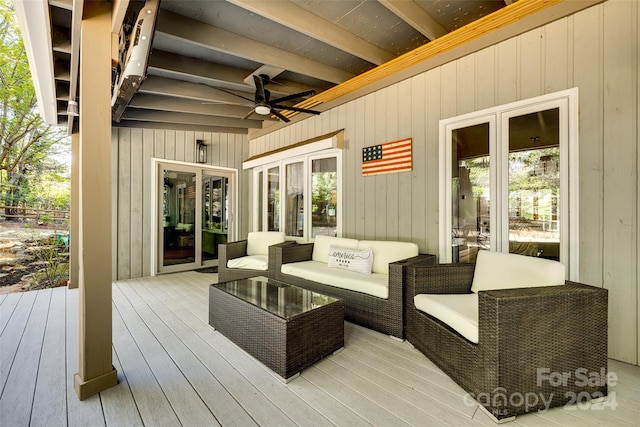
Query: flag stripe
x: 394, y: 156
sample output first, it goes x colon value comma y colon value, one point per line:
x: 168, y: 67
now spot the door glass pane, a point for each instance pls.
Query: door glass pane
x: 534, y: 184
x: 215, y: 214
x: 179, y: 208
x: 273, y: 203
x: 260, y: 201
x: 294, y: 201
x: 470, y: 192
x: 324, y: 193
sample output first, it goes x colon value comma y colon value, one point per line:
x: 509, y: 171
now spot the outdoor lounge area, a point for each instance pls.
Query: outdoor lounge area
x: 174, y: 369
x: 411, y: 132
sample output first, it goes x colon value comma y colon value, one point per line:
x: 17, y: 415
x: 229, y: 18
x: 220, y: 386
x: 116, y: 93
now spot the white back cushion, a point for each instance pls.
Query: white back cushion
x: 497, y: 270
x: 386, y: 252
x: 321, y: 246
x: 258, y: 242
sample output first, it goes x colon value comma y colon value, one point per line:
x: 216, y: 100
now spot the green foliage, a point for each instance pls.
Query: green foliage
x: 52, y: 253
x: 33, y: 155
x: 323, y: 185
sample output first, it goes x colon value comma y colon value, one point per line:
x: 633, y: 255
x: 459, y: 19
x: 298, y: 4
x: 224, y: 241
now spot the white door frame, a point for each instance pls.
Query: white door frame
x: 157, y: 165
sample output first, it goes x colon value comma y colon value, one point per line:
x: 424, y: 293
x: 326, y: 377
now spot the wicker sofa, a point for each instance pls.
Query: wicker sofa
x: 374, y: 301
x: 526, y: 338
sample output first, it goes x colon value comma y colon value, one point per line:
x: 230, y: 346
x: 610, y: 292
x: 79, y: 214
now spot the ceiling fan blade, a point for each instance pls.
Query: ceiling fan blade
x: 280, y: 116
x: 249, y: 114
x: 293, y: 96
x: 300, y: 110
x: 260, y: 93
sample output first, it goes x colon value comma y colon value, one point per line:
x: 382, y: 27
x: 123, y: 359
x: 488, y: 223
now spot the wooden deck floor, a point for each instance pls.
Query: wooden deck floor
x: 176, y: 370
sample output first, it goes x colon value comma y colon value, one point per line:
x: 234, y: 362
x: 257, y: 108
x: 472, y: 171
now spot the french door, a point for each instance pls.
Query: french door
x: 511, y: 181
x: 195, y: 208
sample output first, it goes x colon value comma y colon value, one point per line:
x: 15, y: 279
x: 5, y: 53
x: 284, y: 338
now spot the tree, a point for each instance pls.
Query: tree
x: 27, y: 143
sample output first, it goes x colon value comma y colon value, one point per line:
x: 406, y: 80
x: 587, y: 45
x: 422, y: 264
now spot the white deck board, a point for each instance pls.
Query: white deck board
x: 174, y: 369
x: 12, y: 334
x: 225, y: 409
x: 185, y: 402
x: 50, y: 399
x: 17, y: 397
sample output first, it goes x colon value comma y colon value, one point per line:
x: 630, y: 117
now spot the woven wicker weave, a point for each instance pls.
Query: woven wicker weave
x: 234, y: 250
x: 558, y: 329
x: 286, y: 345
x: 383, y: 315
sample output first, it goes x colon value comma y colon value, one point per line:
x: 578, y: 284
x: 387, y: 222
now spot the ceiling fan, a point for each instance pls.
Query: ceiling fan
x: 265, y: 106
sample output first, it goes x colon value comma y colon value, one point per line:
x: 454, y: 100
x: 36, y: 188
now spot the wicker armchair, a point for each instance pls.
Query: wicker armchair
x: 527, y: 337
x: 255, y: 250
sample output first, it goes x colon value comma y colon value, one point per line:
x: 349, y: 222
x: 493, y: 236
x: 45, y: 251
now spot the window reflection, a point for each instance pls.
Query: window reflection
x: 470, y: 193
x: 534, y: 184
x: 276, y: 297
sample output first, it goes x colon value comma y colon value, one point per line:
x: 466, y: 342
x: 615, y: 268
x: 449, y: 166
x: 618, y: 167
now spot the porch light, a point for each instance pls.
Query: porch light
x: 201, y: 151
x: 72, y: 109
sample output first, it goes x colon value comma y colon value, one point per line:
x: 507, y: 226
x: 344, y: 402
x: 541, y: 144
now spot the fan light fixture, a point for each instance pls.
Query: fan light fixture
x: 263, y: 109
x: 201, y: 151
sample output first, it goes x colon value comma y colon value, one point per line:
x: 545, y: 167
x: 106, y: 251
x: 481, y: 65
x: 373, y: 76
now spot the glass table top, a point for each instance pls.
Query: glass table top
x: 281, y: 299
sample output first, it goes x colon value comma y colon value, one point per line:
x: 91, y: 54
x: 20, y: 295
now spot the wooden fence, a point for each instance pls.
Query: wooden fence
x: 30, y: 214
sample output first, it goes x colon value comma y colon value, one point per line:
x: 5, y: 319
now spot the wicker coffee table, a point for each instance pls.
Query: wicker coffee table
x: 285, y: 327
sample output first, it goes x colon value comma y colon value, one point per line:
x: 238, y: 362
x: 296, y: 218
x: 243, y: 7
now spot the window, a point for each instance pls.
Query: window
x: 512, y: 181
x: 324, y: 197
x: 294, y: 199
x: 310, y: 196
x: 273, y: 199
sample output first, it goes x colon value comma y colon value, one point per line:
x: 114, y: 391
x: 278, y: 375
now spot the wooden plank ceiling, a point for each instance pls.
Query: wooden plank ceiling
x: 204, y: 53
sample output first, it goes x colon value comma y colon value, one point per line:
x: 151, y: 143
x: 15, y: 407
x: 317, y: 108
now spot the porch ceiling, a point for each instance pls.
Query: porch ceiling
x: 203, y: 50
x: 203, y: 54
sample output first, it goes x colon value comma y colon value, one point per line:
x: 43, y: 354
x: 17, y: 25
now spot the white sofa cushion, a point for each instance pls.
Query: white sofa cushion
x: 252, y: 262
x: 356, y: 260
x: 373, y: 284
x: 386, y: 252
x: 497, y: 270
x: 321, y: 246
x: 258, y: 242
x: 460, y: 311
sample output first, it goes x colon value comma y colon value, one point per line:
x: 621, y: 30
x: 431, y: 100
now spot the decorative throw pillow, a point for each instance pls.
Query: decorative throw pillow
x: 350, y: 259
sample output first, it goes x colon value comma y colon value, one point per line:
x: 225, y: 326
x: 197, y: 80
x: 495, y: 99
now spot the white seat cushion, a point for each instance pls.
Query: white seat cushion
x: 497, y: 270
x: 252, y: 262
x: 321, y: 246
x: 258, y: 242
x: 371, y: 284
x: 385, y: 252
x: 460, y: 311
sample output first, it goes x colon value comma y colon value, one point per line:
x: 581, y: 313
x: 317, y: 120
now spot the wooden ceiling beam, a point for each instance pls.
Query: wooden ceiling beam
x: 188, y: 119
x: 210, y: 37
x: 177, y: 66
x: 178, y: 126
x: 411, y: 13
x: 162, y: 86
x: 299, y: 19
x: 181, y: 105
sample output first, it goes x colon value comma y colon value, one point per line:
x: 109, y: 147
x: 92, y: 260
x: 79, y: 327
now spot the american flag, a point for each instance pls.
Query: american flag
x: 390, y: 157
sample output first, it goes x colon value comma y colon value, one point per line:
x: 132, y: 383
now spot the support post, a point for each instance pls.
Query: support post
x: 96, y: 372
x: 74, y: 223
